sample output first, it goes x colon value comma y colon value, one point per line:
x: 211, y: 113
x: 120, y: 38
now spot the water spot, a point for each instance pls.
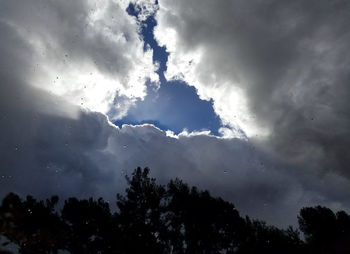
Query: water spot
x: 125, y: 146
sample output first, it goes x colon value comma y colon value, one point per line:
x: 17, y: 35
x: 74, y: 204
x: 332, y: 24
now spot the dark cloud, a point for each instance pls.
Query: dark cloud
x: 287, y: 59
x: 48, y: 146
x: 45, y: 154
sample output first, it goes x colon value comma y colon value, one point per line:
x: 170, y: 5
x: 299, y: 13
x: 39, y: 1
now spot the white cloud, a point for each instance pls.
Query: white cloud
x: 88, y: 52
x: 198, y: 61
x: 44, y: 150
x: 145, y: 8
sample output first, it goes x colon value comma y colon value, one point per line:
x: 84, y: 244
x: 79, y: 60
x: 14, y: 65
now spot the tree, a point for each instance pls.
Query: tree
x: 325, y: 231
x: 91, y: 228
x: 152, y: 218
x: 33, y: 225
x: 261, y: 238
x: 140, y: 214
x: 199, y: 223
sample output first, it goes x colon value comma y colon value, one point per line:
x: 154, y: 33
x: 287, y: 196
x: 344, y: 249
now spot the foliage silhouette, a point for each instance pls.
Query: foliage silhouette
x: 152, y: 218
x: 139, y: 218
x: 90, y: 226
x: 199, y: 223
x: 325, y: 232
x: 33, y: 225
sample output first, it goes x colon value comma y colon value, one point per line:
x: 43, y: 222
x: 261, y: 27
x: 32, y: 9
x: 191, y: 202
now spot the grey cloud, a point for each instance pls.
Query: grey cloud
x: 48, y: 146
x: 89, y: 157
x: 45, y: 154
x: 64, y: 26
x: 290, y: 58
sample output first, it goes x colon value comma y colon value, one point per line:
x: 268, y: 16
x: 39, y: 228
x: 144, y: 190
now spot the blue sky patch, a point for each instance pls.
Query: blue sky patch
x: 175, y: 105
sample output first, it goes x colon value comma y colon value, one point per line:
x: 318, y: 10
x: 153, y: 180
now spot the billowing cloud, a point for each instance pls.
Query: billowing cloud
x: 278, y: 70
x: 45, y: 154
x: 56, y: 54
x: 88, y: 52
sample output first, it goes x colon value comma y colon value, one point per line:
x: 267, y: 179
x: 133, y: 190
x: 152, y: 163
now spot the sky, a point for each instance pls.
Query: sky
x: 170, y: 105
x: 248, y: 99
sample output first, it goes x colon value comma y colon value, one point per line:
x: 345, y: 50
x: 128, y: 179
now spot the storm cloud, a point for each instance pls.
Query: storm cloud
x: 277, y: 71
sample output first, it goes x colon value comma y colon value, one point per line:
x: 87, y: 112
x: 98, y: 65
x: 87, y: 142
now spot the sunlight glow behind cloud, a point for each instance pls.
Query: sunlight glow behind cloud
x: 277, y: 69
x: 189, y: 62
x: 90, y: 59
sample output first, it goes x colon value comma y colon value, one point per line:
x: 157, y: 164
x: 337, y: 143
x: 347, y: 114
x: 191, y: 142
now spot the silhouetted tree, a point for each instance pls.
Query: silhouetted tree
x: 139, y: 219
x: 91, y: 228
x: 325, y: 232
x: 260, y: 238
x: 199, y: 223
x: 32, y: 225
x: 152, y: 218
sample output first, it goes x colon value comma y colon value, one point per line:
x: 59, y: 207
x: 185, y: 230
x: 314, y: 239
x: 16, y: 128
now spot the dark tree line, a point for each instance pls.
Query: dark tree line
x: 152, y: 218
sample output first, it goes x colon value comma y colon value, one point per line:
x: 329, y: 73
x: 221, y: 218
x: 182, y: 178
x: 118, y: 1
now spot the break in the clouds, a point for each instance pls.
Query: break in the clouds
x: 276, y: 71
